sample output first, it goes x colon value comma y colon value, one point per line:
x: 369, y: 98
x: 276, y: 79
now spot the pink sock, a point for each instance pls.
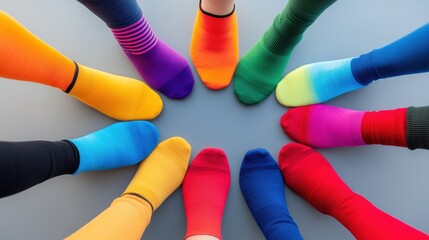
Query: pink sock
x: 205, y: 190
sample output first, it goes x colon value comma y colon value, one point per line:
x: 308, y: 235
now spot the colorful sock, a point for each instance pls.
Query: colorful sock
x: 319, y: 82
x: 308, y: 174
x: 324, y: 126
x: 158, y: 64
x: 262, y: 186
x: 162, y: 172
x: 214, y: 48
x: 259, y: 71
x: 26, y: 57
x: 205, y: 190
x: 118, y: 145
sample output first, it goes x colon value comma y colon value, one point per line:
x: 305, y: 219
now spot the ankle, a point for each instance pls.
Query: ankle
x: 217, y: 7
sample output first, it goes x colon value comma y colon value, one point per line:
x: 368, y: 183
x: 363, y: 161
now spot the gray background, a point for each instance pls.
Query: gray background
x: 394, y: 179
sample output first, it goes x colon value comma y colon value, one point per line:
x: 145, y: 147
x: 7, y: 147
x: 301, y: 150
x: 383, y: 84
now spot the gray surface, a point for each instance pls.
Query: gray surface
x: 394, y: 179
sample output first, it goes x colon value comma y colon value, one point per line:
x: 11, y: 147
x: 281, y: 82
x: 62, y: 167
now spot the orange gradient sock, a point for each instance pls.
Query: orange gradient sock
x: 214, y: 48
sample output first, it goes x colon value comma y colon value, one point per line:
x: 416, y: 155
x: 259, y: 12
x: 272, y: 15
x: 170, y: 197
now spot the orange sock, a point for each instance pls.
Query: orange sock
x: 214, y: 48
x: 23, y: 56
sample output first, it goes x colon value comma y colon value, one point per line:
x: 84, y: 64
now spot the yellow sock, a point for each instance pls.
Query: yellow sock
x: 214, y: 48
x: 116, y: 96
x: 161, y: 172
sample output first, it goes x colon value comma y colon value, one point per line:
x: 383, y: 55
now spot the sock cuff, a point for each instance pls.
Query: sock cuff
x: 141, y: 197
x: 386, y: 127
x: 215, y: 15
x: 73, y: 81
x: 417, y: 134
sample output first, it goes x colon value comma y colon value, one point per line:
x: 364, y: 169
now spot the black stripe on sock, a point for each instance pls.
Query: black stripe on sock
x: 217, y: 16
x: 140, y: 196
x: 417, y: 135
x: 75, y: 152
x: 76, y: 73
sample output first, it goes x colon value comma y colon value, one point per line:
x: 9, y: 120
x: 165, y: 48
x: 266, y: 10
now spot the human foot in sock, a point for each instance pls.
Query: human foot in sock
x: 25, y: 57
x: 308, y: 174
x: 157, y: 177
x: 158, y: 64
x: 259, y: 71
x: 319, y: 82
x: 263, y: 189
x: 214, y: 45
x: 326, y: 126
x: 205, y: 190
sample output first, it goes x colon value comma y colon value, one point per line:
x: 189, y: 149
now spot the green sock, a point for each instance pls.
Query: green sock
x: 259, y: 71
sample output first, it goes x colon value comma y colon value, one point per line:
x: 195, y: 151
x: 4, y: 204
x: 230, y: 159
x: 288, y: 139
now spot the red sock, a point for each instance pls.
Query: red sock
x: 205, y: 190
x: 385, y: 127
x: 308, y: 173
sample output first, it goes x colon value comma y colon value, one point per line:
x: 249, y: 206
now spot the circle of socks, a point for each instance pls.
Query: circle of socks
x: 158, y: 64
x: 26, y: 57
x: 309, y: 175
x: 319, y: 82
x: 324, y: 126
x: 205, y: 190
x: 260, y: 69
x: 159, y: 175
x: 262, y: 186
x: 214, y: 48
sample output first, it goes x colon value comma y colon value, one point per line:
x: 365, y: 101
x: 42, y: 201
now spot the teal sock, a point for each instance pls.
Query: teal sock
x: 316, y: 83
x: 118, y: 145
x: 259, y: 71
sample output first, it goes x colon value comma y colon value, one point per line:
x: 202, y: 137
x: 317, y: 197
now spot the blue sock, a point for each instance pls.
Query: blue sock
x: 118, y: 145
x: 262, y: 186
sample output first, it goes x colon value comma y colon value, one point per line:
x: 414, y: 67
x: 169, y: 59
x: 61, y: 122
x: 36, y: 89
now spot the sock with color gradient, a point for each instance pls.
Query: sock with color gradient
x: 159, y: 65
x: 319, y: 82
x: 214, y: 48
x: 118, y: 145
x: 263, y: 189
x: 308, y: 174
x: 23, y: 56
x: 205, y: 190
x: 161, y: 172
x: 259, y: 71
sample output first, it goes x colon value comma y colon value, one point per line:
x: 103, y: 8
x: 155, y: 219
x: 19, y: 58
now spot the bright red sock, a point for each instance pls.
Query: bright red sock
x: 385, y: 127
x: 308, y: 174
x: 205, y: 190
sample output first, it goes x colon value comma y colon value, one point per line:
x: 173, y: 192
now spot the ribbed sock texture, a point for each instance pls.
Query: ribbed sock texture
x: 259, y: 71
x: 386, y: 127
x: 118, y: 145
x: 214, y: 48
x: 417, y: 133
x: 309, y: 174
x: 158, y: 64
x: 323, y: 126
x: 205, y: 190
x: 263, y: 189
x: 316, y: 83
x: 162, y: 172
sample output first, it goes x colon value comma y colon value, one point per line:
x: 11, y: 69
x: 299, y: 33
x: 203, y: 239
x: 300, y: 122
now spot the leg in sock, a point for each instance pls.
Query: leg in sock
x: 308, y: 174
x: 262, y: 186
x: 205, y: 190
x: 118, y: 145
x: 26, y: 57
x: 259, y: 71
x: 214, y: 45
x: 159, y: 65
x: 319, y: 82
x: 157, y: 177
x: 25, y: 164
x: 326, y: 126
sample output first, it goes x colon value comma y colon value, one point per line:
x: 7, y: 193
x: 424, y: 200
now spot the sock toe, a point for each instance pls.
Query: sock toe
x: 256, y: 158
x: 216, y: 78
x: 295, y: 123
x: 213, y: 157
x: 293, y: 155
x: 248, y: 93
x: 180, y: 85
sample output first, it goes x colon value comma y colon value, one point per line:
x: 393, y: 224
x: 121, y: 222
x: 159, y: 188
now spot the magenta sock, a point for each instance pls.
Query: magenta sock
x: 159, y: 65
x: 324, y: 126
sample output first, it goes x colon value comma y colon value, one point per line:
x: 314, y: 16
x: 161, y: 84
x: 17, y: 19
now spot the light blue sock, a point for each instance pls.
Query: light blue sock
x: 261, y: 183
x: 118, y: 145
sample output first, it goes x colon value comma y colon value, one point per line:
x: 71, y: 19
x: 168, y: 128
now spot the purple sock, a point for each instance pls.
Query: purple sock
x: 159, y: 65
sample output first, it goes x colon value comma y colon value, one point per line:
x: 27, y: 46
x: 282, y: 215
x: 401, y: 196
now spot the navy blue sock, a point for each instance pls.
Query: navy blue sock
x: 262, y: 186
x: 407, y: 55
x: 115, y: 13
x: 118, y: 145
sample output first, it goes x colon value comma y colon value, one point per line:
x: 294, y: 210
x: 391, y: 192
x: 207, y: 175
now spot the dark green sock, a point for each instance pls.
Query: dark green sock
x: 259, y: 71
